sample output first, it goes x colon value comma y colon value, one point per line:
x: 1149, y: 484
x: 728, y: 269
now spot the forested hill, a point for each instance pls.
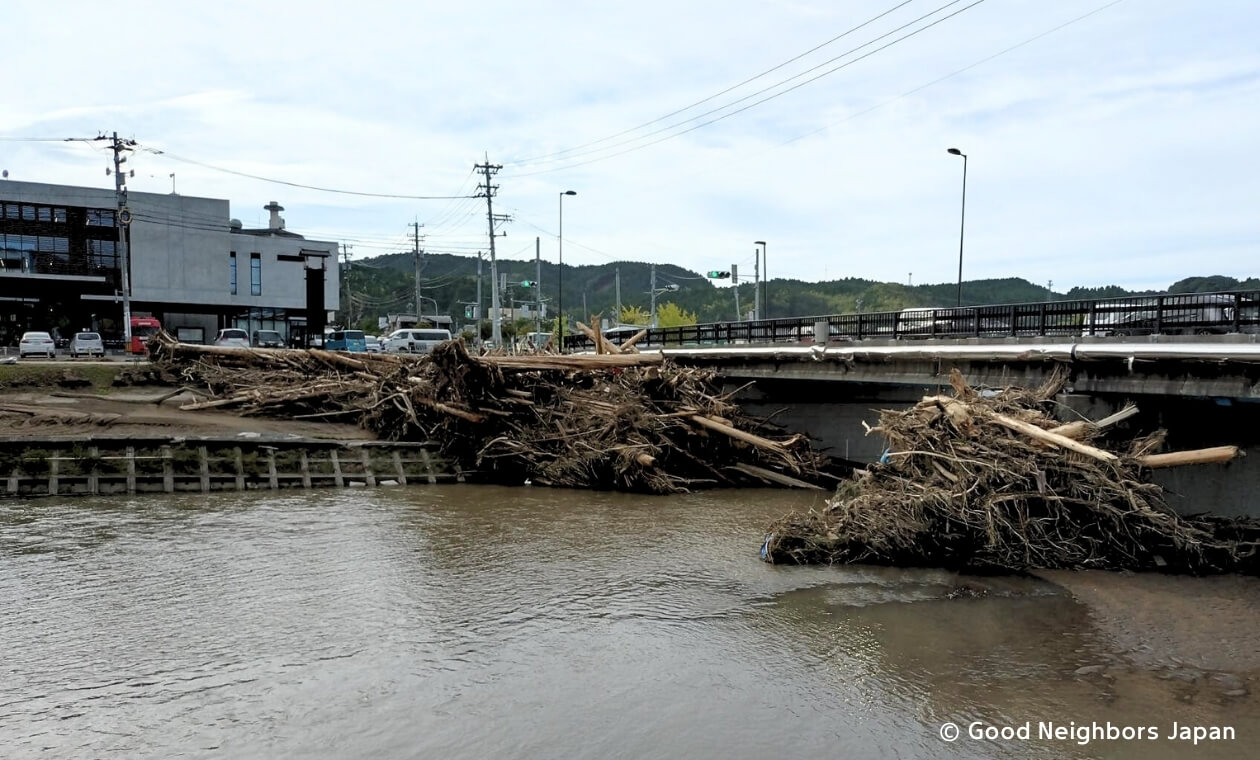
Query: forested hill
x: 384, y: 284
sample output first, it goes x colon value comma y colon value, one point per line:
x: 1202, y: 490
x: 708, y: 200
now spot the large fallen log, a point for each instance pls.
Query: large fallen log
x: 624, y: 348
x: 1054, y: 439
x: 1080, y: 428
x: 962, y: 413
x: 740, y: 435
x: 776, y: 477
x: 592, y: 336
x: 1214, y: 455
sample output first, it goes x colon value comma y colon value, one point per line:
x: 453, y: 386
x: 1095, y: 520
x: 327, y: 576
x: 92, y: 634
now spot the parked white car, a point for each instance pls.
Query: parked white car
x: 233, y: 337
x: 36, y: 344
x: 373, y: 344
x: 415, y: 340
x: 87, y: 344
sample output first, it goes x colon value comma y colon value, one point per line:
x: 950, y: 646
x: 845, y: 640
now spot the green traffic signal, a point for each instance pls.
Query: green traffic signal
x: 529, y: 284
x: 719, y: 275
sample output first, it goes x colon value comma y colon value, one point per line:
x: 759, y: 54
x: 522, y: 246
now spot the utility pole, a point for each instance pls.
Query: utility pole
x: 345, y: 256
x: 487, y: 190
x: 652, y: 316
x: 417, y: 256
x: 537, y: 284
x: 122, y: 219
x: 756, y: 283
x: 617, y: 316
x: 735, y: 282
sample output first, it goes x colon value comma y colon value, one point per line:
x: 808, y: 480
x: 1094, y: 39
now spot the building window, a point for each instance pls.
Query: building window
x: 11, y: 252
x: 232, y: 277
x: 49, y: 244
x: 102, y: 254
x: 28, y: 213
x: 99, y: 217
x: 59, y: 215
x: 255, y: 274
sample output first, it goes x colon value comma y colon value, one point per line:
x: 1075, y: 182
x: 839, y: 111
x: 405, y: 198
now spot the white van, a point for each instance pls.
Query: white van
x: 415, y: 340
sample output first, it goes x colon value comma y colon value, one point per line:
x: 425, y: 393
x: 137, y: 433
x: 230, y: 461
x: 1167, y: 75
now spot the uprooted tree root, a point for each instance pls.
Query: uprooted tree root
x: 632, y: 422
x: 993, y: 482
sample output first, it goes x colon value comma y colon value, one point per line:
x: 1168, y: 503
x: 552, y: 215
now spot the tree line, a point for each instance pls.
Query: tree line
x: 372, y: 288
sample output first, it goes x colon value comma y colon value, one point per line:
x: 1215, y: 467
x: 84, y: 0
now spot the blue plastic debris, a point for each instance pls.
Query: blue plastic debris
x: 765, y: 547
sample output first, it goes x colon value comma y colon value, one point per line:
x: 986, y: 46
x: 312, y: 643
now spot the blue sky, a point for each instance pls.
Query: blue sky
x: 1121, y: 149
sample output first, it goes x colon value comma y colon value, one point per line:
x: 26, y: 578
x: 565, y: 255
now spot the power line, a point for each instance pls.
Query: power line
x: 955, y: 72
x: 202, y: 164
x: 765, y: 90
x: 938, y: 80
x: 762, y: 91
x: 51, y: 139
x: 716, y: 95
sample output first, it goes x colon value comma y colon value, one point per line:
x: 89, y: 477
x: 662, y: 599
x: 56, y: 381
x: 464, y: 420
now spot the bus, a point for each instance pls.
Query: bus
x: 354, y: 341
x: 142, y: 328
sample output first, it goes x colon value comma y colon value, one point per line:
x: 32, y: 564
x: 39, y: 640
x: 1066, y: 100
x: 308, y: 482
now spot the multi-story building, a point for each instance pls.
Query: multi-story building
x: 192, y: 266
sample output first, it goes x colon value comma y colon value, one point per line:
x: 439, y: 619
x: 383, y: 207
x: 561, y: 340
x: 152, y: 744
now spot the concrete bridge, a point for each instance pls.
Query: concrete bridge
x: 1205, y: 390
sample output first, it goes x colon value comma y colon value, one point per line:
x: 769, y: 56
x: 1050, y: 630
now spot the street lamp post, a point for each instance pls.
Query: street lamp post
x: 962, y: 225
x: 765, y: 281
x: 560, y: 271
x: 419, y: 312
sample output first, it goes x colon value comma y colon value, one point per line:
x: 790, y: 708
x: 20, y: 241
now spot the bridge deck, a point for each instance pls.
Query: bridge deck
x: 1243, y: 350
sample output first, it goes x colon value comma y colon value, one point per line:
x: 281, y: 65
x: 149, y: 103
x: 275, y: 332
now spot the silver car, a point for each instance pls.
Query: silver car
x: 232, y: 336
x: 87, y: 344
x: 36, y: 344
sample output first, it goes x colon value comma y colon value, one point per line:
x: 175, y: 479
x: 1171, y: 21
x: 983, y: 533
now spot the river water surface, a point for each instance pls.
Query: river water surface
x: 482, y: 622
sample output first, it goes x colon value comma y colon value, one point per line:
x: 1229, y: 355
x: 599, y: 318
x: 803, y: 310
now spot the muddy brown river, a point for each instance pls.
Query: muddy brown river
x: 482, y: 622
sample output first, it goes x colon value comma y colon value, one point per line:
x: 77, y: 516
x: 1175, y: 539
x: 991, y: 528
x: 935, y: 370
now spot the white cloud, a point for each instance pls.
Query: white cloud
x: 1121, y: 149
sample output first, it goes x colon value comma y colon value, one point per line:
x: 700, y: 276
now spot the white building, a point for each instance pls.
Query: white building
x: 192, y: 266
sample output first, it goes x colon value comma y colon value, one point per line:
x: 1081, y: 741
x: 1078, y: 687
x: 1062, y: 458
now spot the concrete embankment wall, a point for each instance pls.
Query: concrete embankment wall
x: 92, y: 465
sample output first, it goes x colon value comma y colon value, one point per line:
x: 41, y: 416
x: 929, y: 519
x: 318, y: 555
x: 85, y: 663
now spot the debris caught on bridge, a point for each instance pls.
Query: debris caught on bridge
x: 991, y: 481
x: 632, y: 422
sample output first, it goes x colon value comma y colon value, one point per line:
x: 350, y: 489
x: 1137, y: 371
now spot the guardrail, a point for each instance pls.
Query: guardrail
x: 1182, y: 314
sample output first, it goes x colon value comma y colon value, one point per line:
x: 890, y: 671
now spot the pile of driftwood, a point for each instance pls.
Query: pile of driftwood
x: 993, y: 482
x: 632, y: 422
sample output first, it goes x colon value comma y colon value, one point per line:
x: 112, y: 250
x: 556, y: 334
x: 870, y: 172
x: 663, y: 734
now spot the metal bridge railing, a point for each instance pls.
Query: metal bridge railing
x: 1182, y: 314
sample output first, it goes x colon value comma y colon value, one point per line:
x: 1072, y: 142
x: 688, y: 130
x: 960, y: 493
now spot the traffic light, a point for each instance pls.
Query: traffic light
x: 719, y: 275
x: 529, y: 283
x: 468, y: 312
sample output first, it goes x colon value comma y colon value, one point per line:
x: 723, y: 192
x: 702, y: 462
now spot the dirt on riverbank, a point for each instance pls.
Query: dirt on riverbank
x: 134, y: 411
x: 42, y: 399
